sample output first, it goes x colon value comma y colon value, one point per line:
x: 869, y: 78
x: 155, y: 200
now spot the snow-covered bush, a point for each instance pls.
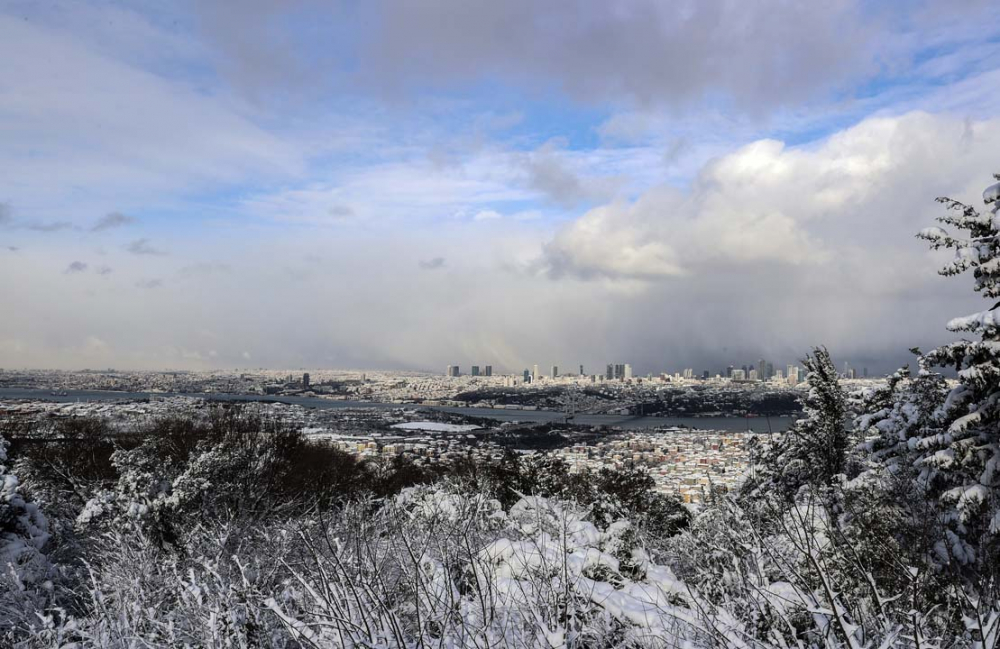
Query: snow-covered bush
x: 137, y: 595
x: 609, y: 494
x: 26, y: 575
x: 235, y: 461
x: 451, y: 569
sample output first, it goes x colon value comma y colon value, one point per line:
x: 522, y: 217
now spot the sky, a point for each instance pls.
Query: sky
x: 403, y: 185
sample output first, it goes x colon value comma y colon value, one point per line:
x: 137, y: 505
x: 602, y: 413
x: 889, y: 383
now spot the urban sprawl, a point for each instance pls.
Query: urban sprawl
x: 412, y: 415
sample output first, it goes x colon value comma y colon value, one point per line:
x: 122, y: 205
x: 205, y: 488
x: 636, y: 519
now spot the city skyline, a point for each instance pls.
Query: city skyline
x: 620, y: 371
x: 484, y: 370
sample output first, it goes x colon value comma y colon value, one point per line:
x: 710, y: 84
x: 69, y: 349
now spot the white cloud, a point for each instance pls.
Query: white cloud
x: 398, y: 193
x: 766, y: 202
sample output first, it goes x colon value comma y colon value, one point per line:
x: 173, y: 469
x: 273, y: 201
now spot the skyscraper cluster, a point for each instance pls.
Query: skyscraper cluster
x: 615, y: 371
x: 618, y: 371
x: 852, y: 373
x: 455, y: 370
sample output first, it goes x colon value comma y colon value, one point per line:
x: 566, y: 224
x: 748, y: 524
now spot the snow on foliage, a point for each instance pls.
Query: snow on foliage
x: 25, y: 571
x: 959, y: 456
x: 539, y: 575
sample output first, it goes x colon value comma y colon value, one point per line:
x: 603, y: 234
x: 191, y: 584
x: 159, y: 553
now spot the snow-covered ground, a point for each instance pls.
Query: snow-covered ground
x: 436, y: 426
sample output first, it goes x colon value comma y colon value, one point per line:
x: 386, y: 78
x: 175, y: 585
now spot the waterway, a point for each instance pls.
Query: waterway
x: 733, y: 424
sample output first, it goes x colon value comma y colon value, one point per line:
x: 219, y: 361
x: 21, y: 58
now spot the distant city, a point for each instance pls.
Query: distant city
x: 761, y: 371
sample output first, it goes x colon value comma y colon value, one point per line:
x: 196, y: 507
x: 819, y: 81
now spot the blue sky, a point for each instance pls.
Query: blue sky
x: 393, y: 184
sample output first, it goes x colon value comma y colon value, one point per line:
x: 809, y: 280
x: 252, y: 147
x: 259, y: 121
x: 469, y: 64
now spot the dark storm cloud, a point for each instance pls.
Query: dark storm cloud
x: 112, y: 220
x: 105, y: 270
x: 432, y: 264
x: 143, y: 247
x: 759, y: 53
x: 76, y: 267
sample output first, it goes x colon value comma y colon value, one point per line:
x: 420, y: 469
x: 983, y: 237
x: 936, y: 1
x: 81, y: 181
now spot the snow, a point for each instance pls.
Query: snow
x: 436, y: 426
x: 991, y: 193
x: 975, y: 322
x: 932, y: 233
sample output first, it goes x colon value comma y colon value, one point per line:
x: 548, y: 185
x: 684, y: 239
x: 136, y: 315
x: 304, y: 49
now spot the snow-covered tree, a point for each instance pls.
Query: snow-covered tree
x: 814, y: 450
x: 961, y: 462
x: 894, y: 416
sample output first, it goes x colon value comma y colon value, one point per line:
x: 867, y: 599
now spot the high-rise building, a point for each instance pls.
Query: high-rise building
x: 581, y: 370
x: 610, y: 374
x: 739, y: 375
x: 452, y: 371
x: 527, y: 376
x: 489, y: 370
x: 534, y: 374
x: 626, y: 371
x: 865, y: 372
x: 475, y: 370
x: 752, y: 375
x: 305, y: 380
x: 555, y: 371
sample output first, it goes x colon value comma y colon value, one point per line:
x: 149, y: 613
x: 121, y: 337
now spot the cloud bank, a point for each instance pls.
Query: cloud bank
x: 390, y: 184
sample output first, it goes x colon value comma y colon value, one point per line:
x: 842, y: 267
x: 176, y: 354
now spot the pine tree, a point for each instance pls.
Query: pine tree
x: 961, y: 463
x: 814, y: 450
x: 895, y: 416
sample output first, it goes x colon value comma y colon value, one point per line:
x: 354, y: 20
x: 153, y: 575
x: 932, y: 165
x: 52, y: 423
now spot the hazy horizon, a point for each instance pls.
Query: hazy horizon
x: 407, y: 186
